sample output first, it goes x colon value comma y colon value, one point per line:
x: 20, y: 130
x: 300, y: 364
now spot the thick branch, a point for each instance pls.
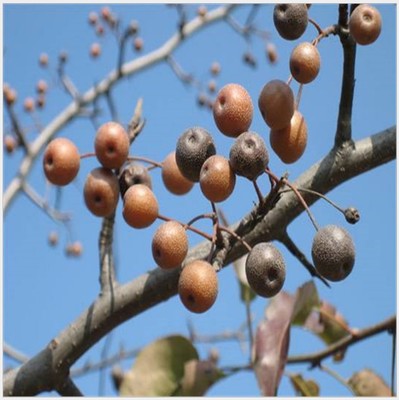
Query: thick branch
x: 129, y: 68
x: 43, y: 371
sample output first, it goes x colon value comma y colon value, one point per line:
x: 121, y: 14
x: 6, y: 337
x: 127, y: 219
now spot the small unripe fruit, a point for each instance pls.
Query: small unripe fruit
x: 198, y: 286
x: 10, y: 95
x: 133, y: 174
x: 111, y: 145
x: 276, y: 104
x: 290, y: 142
x: 138, y: 44
x: 193, y: 148
x: 265, y: 269
x: 271, y: 53
x: 233, y: 110
x: 217, y: 178
x: 95, y: 50
x: 101, y: 192
x: 172, y: 178
x: 249, y: 156
x: 106, y: 13
x: 333, y: 252
x: 74, y: 249
x: 140, y: 206
x: 10, y: 144
x: 93, y: 18
x: 305, y: 62
x: 169, y: 245
x: 53, y: 238
x: 290, y: 20
x: 61, y: 161
x: 202, y: 11
x: 29, y: 104
x: 215, y: 68
x: 41, y: 86
x: 43, y: 60
x: 365, y: 24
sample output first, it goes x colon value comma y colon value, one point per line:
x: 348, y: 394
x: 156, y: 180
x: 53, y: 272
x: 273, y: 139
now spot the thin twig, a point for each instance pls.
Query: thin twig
x: 338, y: 377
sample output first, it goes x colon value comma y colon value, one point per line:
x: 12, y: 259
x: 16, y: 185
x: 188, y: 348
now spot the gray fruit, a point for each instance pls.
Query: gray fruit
x: 193, y: 148
x: 249, y: 156
x: 333, y: 252
x: 265, y: 269
x: 290, y: 20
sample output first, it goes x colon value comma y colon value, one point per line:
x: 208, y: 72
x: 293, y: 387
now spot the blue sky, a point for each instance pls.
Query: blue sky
x: 44, y: 291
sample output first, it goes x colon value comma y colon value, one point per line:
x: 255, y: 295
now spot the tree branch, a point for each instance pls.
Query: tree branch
x: 52, y: 364
x: 74, y: 108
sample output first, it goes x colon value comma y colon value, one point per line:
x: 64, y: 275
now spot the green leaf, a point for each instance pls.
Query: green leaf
x: 302, y: 387
x: 159, y: 368
x: 307, y: 299
x: 368, y: 383
x: 246, y: 293
x: 199, y: 376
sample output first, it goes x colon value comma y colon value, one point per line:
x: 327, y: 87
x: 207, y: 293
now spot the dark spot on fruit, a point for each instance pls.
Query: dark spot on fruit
x: 222, y: 100
x: 191, y: 299
x: 49, y: 161
x: 272, y: 274
x: 97, y: 199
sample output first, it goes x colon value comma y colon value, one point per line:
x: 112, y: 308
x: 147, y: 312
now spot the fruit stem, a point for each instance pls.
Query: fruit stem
x: 298, y: 96
x: 185, y: 226
x: 258, y: 192
x: 198, y: 217
x: 316, y: 25
x: 146, y: 160
x: 238, y: 237
x: 87, y: 155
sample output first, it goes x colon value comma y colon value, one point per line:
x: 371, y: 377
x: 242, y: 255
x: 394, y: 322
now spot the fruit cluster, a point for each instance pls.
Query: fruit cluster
x: 195, y: 160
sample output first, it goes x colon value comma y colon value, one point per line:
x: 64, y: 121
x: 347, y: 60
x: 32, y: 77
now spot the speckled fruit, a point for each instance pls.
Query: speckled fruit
x: 111, y: 145
x: 193, y: 148
x: 265, y: 269
x: 276, y: 104
x: 134, y: 173
x: 290, y: 143
x: 249, y: 156
x: 365, y: 24
x: 101, y: 192
x: 169, y: 245
x: 140, y: 206
x: 61, y: 161
x: 217, y: 178
x: 172, y: 178
x: 333, y: 252
x: 233, y: 110
x: 305, y: 62
x: 198, y: 286
x: 290, y: 20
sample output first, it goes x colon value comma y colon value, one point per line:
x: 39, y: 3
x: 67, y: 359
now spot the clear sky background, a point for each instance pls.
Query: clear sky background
x: 43, y: 291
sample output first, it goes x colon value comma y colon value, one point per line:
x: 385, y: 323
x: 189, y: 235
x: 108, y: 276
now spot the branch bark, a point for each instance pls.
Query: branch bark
x: 51, y: 366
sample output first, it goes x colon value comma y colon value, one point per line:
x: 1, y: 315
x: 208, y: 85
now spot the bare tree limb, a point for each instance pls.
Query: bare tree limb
x: 43, y: 371
x: 129, y: 68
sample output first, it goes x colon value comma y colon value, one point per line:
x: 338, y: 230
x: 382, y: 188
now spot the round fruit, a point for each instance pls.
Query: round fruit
x: 198, y: 286
x: 276, y: 104
x: 61, y: 161
x: 101, y: 192
x: 111, y: 145
x: 333, y: 252
x: 233, y: 110
x: 41, y: 86
x: 305, y: 62
x: 95, y: 50
x: 169, y: 245
x: 249, y: 156
x: 10, y: 144
x: 172, y: 178
x: 365, y: 24
x: 193, y: 148
x: 290, y: 20
x: 29, y: 104
x: 290, y: 142
x: 134, y: 173
x: 217, y: 178
x: 265, y: 269
x: 140, y: 206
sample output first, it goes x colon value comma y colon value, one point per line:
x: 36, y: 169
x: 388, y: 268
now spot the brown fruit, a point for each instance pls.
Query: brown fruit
x: 290, y: 142
x: 233, y: 110
x: 365, y: 24
x: 215, y: 68
x: 169, y: 245
x: 172, y: 178
x: 198, y: 286
x: 305, y: 62
x: 53, y: 238
x: 202, y: 11
x: 41, y: 86
x: 276, y: 104
x: 290, y: 20
x: 101, y: 192
x: 10, y: 95
x: 271, y: 53
x: 133, y: 174
x: 111, y: 145
x: 74, y: 249
x: 10, y: 144
x: 29, y: 104
x: 43, y: 60
x: 140, y: 206
x: 61, y: 161
x: 93, y: 18
x: 138, y: 44
x: 217, y: 179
